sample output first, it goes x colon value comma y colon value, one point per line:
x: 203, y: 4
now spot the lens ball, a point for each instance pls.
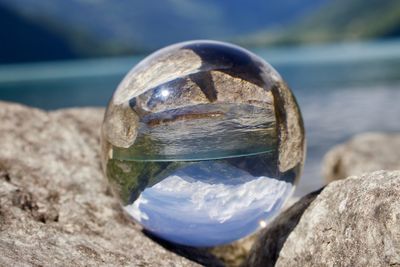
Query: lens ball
x: 203, y: 143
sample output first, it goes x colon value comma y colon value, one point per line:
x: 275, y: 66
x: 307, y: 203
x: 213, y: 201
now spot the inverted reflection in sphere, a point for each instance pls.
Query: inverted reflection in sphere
x: 203, y: 142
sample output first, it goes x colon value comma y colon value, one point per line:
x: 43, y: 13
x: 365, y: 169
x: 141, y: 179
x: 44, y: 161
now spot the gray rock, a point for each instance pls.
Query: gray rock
x: 266, y: 248
x: 55, y: 206
x: 235, y: 254
x: 352, y: 222
x: 240, y: 91
x: 120, y: 126
x: 156, y: 70
x: 290, y: 129
x: 363, y: 153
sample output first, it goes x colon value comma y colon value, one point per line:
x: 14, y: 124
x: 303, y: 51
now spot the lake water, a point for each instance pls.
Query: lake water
x: 342, y: 89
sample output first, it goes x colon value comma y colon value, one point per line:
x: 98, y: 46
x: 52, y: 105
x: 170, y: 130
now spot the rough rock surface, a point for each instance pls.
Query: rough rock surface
x: 235, y: 254
x: 55, y: 206
x: 266, y: 248
x: 290, y: 129
x: 352, y: 222
x: 363, y: 153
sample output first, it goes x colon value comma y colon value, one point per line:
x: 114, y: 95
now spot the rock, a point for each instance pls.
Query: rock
x: 156, y: 70
x: 266, y: 248
x: 120, y: 126
x: 290, y: 126
x: 55, y: 205
x: 363, y: 153
x: 236, y: 253
x: 352, y: 222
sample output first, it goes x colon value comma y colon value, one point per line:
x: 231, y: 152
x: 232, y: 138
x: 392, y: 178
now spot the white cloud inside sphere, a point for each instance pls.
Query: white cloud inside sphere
x: 183, y: 208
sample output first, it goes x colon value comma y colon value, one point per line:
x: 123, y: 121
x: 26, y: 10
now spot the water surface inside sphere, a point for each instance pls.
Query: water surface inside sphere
x: 203, y: 142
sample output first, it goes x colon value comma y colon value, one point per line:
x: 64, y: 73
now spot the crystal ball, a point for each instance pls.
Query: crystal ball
x: 203, y: 142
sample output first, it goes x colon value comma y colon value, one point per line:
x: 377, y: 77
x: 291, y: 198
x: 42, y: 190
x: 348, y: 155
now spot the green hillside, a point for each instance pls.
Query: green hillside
x: 87, y: 28
x: 340, y: 20
x: 24, y: 39
x: 155, y: 23
x: 32, y: 30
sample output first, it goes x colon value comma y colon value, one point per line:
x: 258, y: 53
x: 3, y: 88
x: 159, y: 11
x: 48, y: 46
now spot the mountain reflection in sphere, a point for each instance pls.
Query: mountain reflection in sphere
x: 203, y: 142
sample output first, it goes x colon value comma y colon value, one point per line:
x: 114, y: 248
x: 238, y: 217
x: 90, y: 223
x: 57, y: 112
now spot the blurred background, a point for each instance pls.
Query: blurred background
x: 340, y: 57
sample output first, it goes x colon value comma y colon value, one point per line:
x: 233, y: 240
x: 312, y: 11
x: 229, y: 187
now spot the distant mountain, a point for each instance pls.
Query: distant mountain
x: 336, y: 21
x: 27, y: 38
x: 24, y: 40
x: 154, y: 23
x: 33, y: 30
x: 85, y: 28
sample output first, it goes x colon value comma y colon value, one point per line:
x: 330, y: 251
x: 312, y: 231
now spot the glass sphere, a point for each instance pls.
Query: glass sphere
x: 203, y: 142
